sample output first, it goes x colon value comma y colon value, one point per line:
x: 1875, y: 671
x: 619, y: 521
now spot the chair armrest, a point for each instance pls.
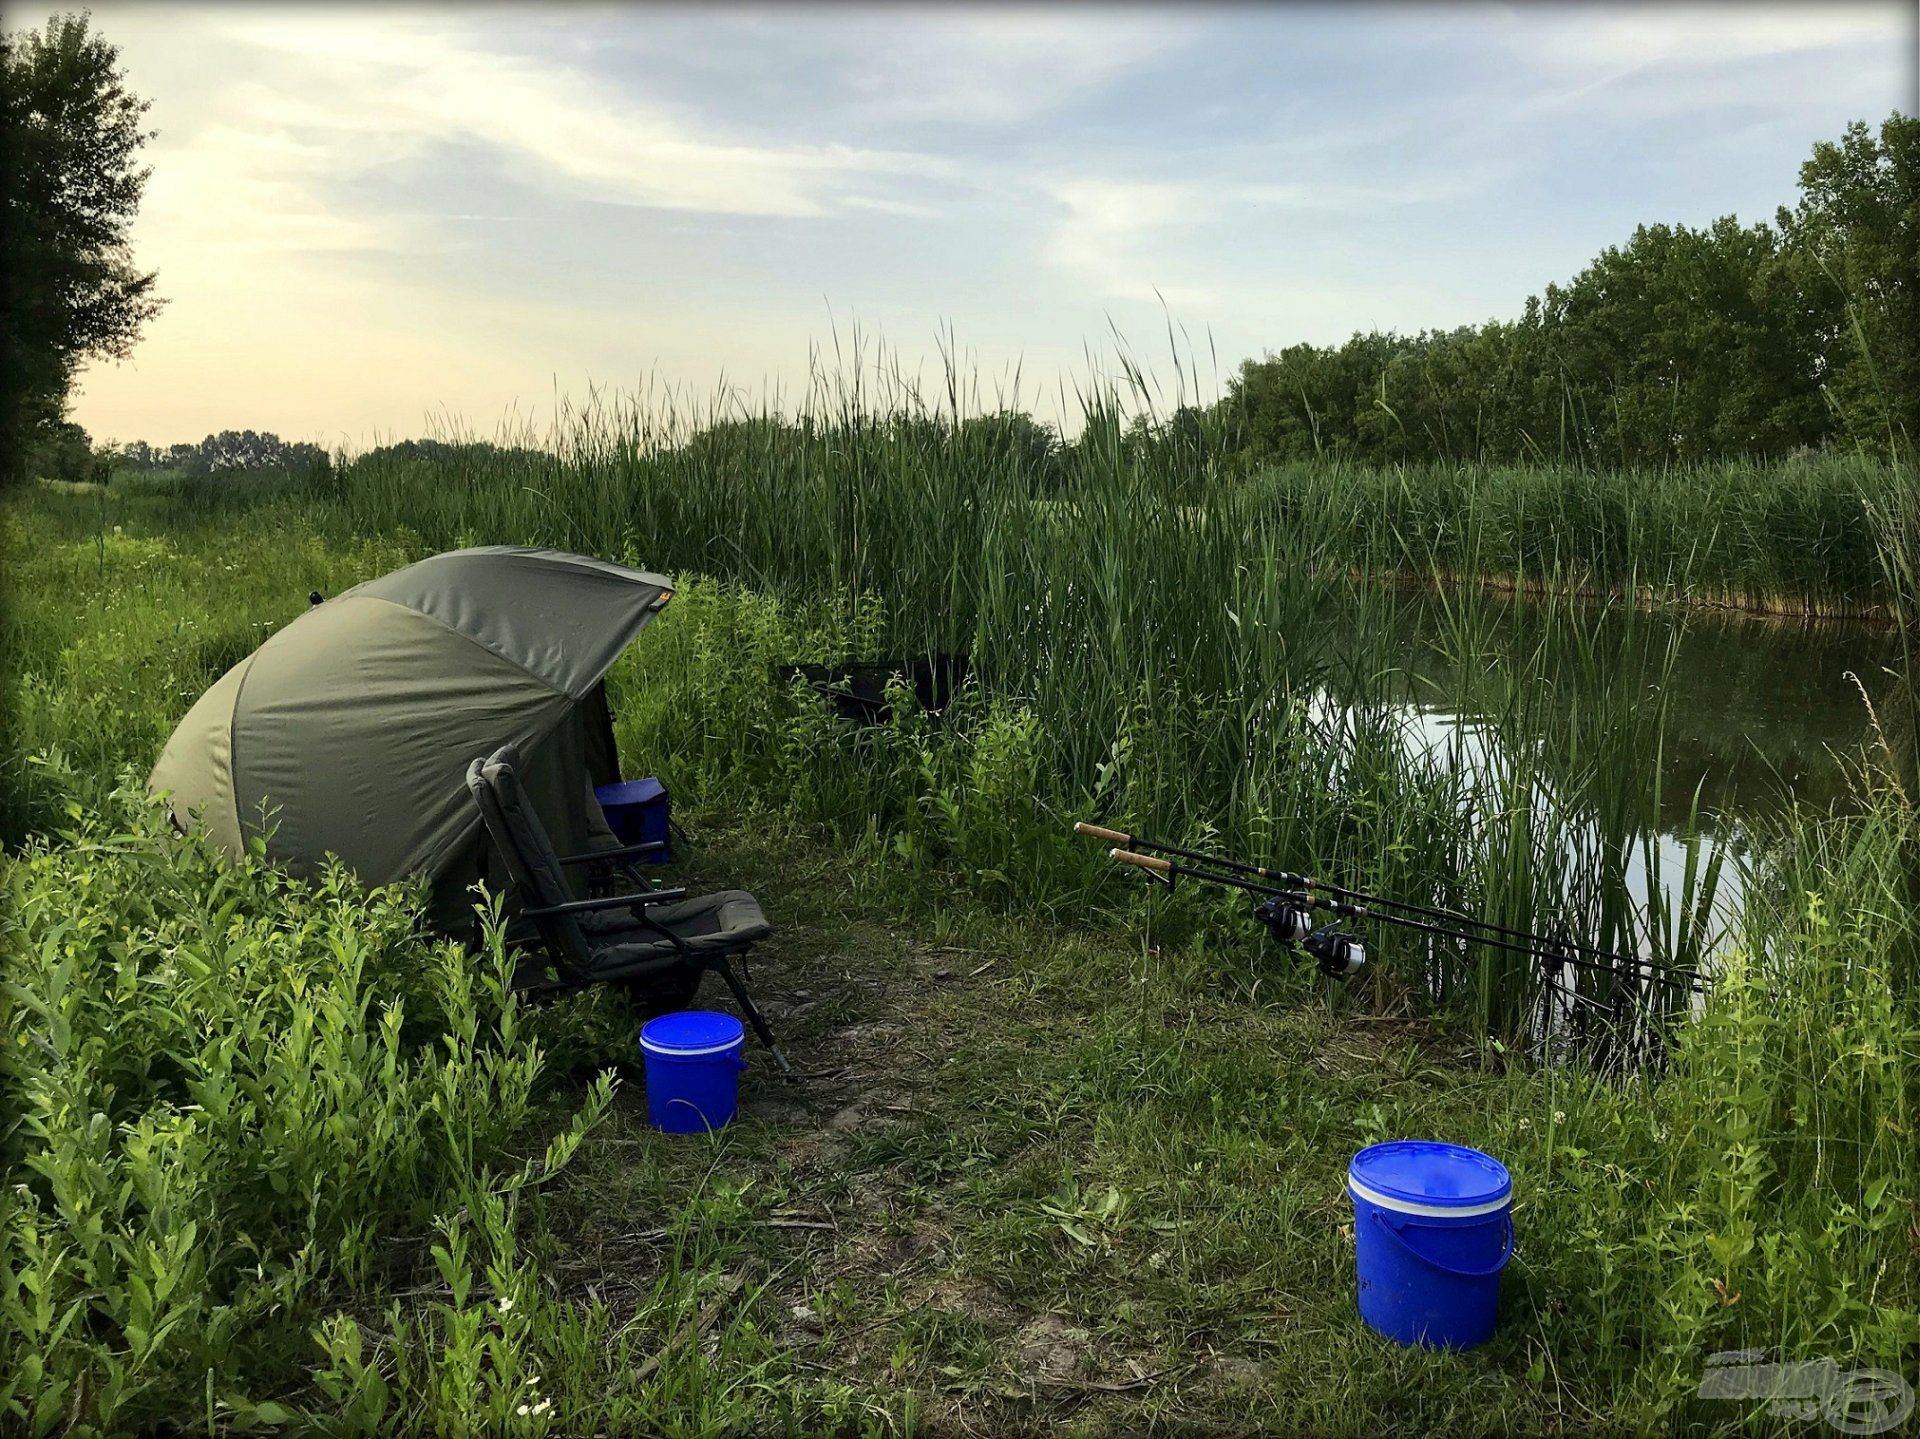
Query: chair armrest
x: 625, y: 851
x: 612, y: 901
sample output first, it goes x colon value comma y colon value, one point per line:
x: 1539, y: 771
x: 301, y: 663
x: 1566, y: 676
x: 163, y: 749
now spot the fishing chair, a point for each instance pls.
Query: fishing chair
x: 655, y: 942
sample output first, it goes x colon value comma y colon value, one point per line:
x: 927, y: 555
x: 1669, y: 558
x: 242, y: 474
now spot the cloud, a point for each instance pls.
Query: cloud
x: 1001, y: 66
x: 1136, y: 239
x: 374, y: 89
x: 1714, y: 34
x: 358, y: 213
x: 1100, y: 239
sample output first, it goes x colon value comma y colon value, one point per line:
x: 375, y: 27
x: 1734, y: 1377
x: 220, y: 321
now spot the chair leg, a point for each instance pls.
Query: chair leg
x: 724, y: 965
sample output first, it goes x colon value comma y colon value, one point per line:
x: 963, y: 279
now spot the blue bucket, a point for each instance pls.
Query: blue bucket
x: 638, y: 811
x: 1433, y: 1228
x: 693, y: 1070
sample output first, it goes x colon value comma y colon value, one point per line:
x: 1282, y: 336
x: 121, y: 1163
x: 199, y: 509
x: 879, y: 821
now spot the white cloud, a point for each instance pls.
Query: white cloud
x: 1281, y: 199
x: 1103, y: 238
x: 1001, y: 65
x: 1714, y: 34
x: 376, y: 88
x: 1143, y: 240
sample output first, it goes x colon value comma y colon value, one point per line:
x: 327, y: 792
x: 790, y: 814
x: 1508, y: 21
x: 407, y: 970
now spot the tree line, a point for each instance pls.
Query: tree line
x: 1682, y: 344
x: 228, y: 450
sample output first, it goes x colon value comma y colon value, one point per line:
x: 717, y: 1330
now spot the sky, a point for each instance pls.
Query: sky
x: 370, y: 222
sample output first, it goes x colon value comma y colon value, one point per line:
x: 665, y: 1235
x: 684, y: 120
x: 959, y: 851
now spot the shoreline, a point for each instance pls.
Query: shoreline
x: 1780, y: 609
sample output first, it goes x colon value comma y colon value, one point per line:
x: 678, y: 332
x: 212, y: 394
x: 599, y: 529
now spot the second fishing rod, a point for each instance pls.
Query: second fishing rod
x: 1289, y: 898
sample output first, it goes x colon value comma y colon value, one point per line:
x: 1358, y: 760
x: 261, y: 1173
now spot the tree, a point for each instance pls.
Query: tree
x: 71, y: 136
x: 65, y: 452
x: 1676, y: 346
x: 1014, y: 440
x: 1855, y: 241
x: 1682, y: 344
x: 230, y: 450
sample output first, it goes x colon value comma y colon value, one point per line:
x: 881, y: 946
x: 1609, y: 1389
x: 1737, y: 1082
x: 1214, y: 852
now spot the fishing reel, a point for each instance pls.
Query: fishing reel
x: 1288, y: 921
x: 1338, y: 955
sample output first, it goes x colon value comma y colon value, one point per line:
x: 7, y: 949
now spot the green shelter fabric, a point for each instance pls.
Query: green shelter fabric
x: 349, y: 731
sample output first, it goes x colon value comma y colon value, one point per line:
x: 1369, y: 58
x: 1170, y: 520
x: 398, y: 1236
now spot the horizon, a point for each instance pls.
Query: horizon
x: 380, y: 225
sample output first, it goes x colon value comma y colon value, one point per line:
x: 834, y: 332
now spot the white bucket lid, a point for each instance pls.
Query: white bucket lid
x: 1431, y: 1179
x: 1425, y: 1211
x: 691, y: 1033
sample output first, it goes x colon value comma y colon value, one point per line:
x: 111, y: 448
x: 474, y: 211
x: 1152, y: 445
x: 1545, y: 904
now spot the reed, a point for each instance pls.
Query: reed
x: 1149, y: 641
x: 1168, y: 652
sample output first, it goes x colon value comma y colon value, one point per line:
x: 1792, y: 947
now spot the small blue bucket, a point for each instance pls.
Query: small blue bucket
x: 638, y: 812
x: 1432, y: 1228
x: 693, y: 1070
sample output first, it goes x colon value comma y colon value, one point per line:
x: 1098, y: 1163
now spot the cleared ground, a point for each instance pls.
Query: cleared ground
x: 1038, y: 1176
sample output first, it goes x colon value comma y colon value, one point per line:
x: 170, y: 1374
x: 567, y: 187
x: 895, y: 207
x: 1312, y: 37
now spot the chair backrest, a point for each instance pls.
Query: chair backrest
x: 522, y: 841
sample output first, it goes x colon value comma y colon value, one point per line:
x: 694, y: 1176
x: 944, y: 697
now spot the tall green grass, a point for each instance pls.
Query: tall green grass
x: 843, y: 497
x: 1149, y: 642
x: 210, y: 1045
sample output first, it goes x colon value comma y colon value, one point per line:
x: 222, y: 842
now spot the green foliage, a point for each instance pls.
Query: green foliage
x: 327, y: 1098
x: 1682, y: 345
x: 228, y: 1084
x: 1854, y: 241
x: 63, y: 451
x: 230, y: 451
x: 71, y: 132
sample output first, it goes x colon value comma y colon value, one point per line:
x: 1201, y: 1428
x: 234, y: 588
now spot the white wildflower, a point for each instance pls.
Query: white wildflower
x: 506, y: 1304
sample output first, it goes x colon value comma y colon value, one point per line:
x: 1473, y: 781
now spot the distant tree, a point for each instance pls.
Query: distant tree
x: 230, y: 450
x: 253, y: 450
x: 1854, y: 242
x: 1014, y: 439
x: 70, y: 132
x: 1679, y: 345
x: 1675, y: 347
x: 451, y: 451
x: 66, y: 453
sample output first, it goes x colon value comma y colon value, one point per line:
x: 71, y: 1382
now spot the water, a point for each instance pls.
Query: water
x: 1759, y: 711
x: 1746, y: 714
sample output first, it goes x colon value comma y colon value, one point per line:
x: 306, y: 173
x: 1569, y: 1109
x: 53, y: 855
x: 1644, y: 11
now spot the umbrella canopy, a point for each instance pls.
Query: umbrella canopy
x: 350, y: 730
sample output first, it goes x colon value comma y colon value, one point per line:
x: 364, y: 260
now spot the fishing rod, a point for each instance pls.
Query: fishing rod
x: 1450, y: 917
x: 1289, y: 900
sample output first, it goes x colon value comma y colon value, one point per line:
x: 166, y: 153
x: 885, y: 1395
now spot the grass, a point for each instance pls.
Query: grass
x: 1077, y: 1158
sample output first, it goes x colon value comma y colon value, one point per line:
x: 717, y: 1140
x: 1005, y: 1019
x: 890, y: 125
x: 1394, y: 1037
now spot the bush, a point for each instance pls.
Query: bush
x: 226, y: 1083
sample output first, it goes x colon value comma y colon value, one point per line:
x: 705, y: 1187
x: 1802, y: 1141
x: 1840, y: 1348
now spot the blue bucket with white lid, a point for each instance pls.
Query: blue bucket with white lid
x: 1432, y: 1229
x: 693, y: 1059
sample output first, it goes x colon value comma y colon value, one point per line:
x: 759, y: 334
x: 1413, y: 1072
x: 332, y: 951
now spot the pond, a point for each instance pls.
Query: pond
x: 1758, y: 710
x: 1749, y: 714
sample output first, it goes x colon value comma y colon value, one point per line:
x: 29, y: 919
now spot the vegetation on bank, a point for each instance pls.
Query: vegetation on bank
x: 1679, y: 346
x: 841, y: 497
x: 1682, y: 347
x: 1138, y: 1145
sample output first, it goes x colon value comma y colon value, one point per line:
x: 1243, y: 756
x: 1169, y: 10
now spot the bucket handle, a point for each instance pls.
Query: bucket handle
x: 1506, y: 1250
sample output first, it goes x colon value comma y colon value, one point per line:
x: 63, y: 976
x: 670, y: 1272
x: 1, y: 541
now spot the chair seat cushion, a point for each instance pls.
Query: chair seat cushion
x: 723, y: 922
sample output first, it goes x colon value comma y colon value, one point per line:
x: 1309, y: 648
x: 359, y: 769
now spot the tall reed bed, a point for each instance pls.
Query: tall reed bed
x: 211, y: 1045
x: 1150, y: 644
x: 1800, y: 537
x: 839, y: 495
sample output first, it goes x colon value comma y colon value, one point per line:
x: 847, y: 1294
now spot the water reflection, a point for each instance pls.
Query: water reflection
x: 1757, y: 710
x: 1752, y: 714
